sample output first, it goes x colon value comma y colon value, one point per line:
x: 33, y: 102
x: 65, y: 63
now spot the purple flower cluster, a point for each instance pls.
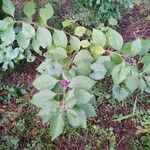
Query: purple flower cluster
x: 65, y: 84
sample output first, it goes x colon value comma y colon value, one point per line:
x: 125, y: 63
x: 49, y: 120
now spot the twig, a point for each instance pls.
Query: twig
x: 119, y: 141
x: 133, y: 61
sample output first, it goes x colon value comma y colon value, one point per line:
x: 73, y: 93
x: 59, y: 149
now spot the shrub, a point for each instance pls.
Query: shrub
x: 65, y: 82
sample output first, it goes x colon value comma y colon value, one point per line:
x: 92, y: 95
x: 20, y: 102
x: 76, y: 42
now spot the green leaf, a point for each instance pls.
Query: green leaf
x: 103, y: 59
x: 126, y: 49
x: 99, y: 37
x: 9, y: 20
x: 42, y: 98
x: 66, y: 75
x: 11, y: 54
x: 136, y: 46
x: 115, y: 39
x: 75, y: 43
x: 22, y: 40
x: 79, y: 31
x: 46, y: 113
x: 146, y: 61
x: 132, y: 82
x: 109, y: 66
x: 83, y: 56
x: 36, y: 46
x: 120, y: 93
x: 112, y: 21
x: 147, y: 79
x: 44, y: 82
x: 82, y: 82
x: 145, y: 46
x: 8, y: 36
x: 117, y: 59
x: 89, y: 110
x: 51, y: 68
x: 120, y: 73
x: 121, y: 117
x: 3, y: 24
x: 77, y: 117
x: 54, y: 69
x: 70, y: 99
x: 42, y: 68
x: 72, y: 71
x: 28, y: 30
x: 97, y: 76
x: 83, y: 68
x: 85, y: 43
x: 73, y: 118
x: 99, y: 71
x: 59, y: 38
x: 30, y: 57
x: 2, y: 55
x: 97, y: 67
x: 8, y: 7
x: 88, y: 32
x: 142, y: 84
x: 97, y: 50
x: 57, y: 125
x: 67, y: 23
x: 43, y: 38
x: 48, y: 110
x: 147, y: 89
x: 46, y: 12
x: 6, y: 64
x: 82, y: 96
x: 29, y: 9
x: 60, y: 53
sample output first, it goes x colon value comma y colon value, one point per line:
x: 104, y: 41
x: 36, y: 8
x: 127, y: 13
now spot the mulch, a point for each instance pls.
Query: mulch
x: 135, y: 24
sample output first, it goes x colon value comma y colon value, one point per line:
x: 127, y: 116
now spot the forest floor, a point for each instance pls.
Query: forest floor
x: 23, y: 127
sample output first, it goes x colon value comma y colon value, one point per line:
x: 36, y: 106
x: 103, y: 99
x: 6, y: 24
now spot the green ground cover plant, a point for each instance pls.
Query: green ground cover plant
x: 92, y: 12
x: 77, y: 58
